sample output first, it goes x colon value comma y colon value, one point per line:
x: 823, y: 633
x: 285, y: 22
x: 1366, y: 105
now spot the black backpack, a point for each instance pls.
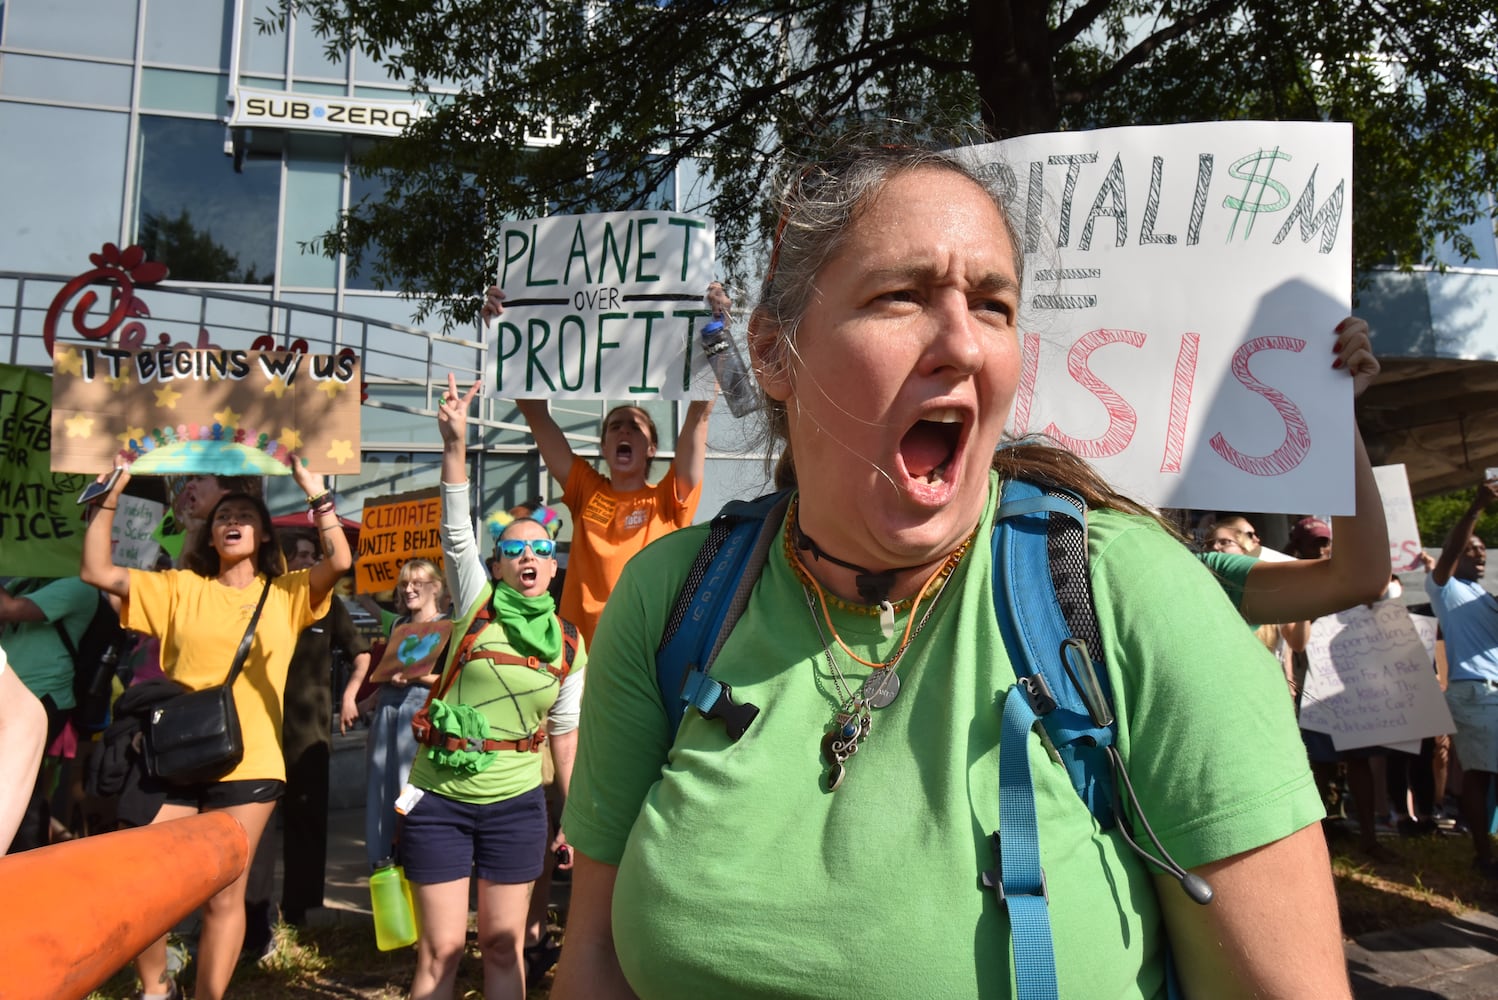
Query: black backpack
x: 96, y: 657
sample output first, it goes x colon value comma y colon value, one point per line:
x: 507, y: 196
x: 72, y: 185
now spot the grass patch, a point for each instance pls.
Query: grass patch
x: 1427, y: 879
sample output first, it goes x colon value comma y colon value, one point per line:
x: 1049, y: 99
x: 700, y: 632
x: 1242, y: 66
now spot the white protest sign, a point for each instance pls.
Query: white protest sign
x: 1182, y: 284
x: 131, y: 537
x: 1370, y: 680
x: 604, y: 305
x: 1399, y: 513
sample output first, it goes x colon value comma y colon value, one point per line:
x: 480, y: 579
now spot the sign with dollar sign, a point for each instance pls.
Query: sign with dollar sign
x: 1182, y: 286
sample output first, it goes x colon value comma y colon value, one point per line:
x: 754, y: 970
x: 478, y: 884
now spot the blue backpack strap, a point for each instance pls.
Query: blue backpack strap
x: 1042, y: 592
x: 708, y: 606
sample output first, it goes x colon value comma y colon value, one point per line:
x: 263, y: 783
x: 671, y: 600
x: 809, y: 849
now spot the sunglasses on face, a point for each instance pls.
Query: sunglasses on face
x: 511, y: 548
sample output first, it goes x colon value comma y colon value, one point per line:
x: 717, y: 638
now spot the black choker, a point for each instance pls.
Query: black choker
x: 873, y: 588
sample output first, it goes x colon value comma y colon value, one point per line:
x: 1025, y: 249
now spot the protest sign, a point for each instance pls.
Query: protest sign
x: 606, y: 305
x: 392, y: 530
x: 412, y: 650
x: 225, y: 412
x: 1399, y: 514
x: 41, y: 525
x: 1182, y: 284
x: 134, y: 533
x: 1370, y: 680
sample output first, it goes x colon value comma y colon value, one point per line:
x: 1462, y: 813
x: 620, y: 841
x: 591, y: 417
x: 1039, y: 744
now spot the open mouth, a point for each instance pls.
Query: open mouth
x: 528, y: 577
x: 624, y: 452
x: 930, y: 448
x: 233, y: 535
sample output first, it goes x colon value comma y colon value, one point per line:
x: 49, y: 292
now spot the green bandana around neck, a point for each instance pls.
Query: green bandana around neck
x: 530, y: 623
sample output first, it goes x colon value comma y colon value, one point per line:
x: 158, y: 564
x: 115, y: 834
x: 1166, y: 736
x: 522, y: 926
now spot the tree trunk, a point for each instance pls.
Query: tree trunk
x: 1011, y: 59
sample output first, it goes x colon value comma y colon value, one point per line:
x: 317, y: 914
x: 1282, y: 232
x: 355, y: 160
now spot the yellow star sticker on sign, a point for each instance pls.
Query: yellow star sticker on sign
x: 81, y: 426
x: 117, y: 382
x: 341, y: 452
x: 332, y: 387
x: 131, y: 434
x: 289, y: 439
x: 68, y: 361
x: 167, y: 397
x: 278, y: 386
x: 228, y: 417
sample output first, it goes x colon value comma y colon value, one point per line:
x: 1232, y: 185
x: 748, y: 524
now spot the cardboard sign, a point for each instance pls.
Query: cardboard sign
x: 1182, y: 285
x: 1399, y: 514
x: 170, y: 410
x: 412, y: 650
x: 133, y: 535
x: 392, y: 530
x: 1371, y: 681
x: 605, y: 305
x: 41, y: 525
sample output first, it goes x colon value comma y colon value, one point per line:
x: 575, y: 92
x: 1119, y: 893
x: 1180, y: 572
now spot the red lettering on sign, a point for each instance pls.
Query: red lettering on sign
x: 1297, y: 444
x: 1180, y: 403
x: 1122, y: 419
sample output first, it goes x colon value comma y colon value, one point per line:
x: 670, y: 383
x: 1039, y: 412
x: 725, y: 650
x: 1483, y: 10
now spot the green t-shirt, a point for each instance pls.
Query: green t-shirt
x: 35, y: 650
x: 1231, y: 571
x: 515, y: 700
x: 739, y: 876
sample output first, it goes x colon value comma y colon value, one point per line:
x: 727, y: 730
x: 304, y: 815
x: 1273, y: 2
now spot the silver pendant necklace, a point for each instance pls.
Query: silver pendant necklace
x: 853, y: 718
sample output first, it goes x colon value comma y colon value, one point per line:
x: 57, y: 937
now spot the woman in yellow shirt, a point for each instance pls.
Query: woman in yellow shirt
x: 200, y: 615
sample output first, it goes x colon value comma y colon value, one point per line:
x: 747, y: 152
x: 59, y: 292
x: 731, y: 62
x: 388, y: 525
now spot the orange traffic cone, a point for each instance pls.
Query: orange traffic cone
x: 76, y: 912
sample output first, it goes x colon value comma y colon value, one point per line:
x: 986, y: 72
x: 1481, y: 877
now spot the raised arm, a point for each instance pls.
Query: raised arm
x: 1461, y: 532
x: 691, y: 446
x: 555, y: 451
x: 98, y: 567
x: 1358, y: 570
x: 466, y: 576
x: 337, y: 559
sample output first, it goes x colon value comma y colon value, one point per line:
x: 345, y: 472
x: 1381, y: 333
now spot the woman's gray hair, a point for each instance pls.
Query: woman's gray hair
x: 816, y: 205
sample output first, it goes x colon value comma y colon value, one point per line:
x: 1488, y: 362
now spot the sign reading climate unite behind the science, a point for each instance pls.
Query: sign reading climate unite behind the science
x: 321, y: 113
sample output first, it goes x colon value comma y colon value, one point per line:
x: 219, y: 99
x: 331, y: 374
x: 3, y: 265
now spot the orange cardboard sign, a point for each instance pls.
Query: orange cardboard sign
x: 394, y: 529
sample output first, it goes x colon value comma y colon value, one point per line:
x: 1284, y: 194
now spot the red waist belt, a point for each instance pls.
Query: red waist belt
x: 429, y: 737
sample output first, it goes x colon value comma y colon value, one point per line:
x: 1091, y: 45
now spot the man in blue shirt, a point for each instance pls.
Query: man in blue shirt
x: 1469, y: 621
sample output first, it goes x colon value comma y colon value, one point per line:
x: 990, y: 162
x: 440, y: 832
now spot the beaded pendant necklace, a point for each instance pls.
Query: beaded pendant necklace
x: 853, y: 717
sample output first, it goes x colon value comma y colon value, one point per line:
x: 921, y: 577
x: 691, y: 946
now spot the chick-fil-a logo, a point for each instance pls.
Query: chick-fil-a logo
x: 126, y: 271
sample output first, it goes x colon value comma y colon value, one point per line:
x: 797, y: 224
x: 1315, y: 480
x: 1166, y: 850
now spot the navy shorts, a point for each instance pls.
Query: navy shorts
x: 223, y: 794
x: 442, y: 840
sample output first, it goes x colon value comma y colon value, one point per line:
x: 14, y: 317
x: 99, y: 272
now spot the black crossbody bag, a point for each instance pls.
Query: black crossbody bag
x: 194, y: 738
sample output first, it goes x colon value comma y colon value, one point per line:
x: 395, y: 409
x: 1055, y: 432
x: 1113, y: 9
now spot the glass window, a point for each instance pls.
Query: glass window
x: 179, y: 90
x: 76, y: 27
x: 195, y: 213
x: 371, y: 190
x: 66, y: 80
x: 261, y: 51
x: 309, y: 58
x: 60, y: 206
x: 189, y: 32
x: 382, y: 473
x: 314, y: 183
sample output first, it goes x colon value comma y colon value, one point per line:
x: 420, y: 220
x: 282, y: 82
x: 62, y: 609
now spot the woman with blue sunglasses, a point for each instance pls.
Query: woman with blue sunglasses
x: 474, y: 806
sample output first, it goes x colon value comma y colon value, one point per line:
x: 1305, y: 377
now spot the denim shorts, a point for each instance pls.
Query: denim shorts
x: 443, y: 840
x: 1474, y: 709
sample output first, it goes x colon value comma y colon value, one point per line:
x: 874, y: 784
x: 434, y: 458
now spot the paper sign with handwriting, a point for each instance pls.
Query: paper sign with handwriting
x: 1399, y: 513
x: 606, y: 305
x: 1371, y: 682
x: 393, y: 529
x: 1182, y: 284
x: 412, y: 650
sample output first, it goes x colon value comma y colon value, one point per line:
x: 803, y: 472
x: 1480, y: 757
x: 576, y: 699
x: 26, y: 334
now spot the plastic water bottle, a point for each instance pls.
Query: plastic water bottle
x: 728, y: 364
x: 390, y: 899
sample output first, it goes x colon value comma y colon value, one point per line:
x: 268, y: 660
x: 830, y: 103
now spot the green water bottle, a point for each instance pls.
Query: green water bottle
x: 390, y: 899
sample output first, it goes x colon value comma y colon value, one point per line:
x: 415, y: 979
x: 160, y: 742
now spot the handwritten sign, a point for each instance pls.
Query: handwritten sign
x: 412, y: 650
x: 134, y: 533
x: 178, y: 410
x: 605, y: 305
x: 1371, y: 681
x: 1181, y: 287
x: 392, y: 530
x: 41, y: 530
x: 1399, y: 513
